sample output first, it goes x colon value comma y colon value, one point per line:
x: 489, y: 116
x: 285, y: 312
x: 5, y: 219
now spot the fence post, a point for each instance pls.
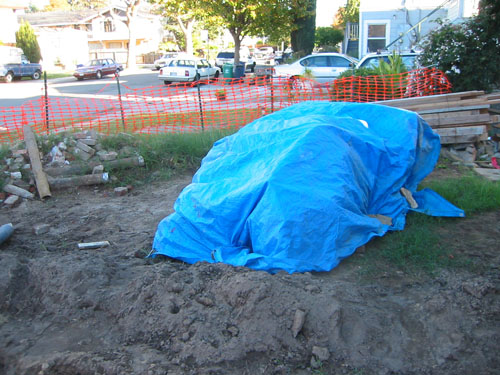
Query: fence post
x: 120, y: 99
x: 201, y: 108
x: 272, y: 94
x: 46, y: 99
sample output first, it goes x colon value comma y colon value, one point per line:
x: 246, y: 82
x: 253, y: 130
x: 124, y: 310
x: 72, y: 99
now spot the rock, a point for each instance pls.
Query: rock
x: 18, y: 191
x: 321, y: 353
x: 205, y: 301
x: 82, y: 146
x: 234, y: 331
x: 12, y: 201
x: 88, y: 141
x: 298, y: 322
x: 16, y: 175
x: 41, y: 229
x: 98, y: 169
x: 107, y: 156
x: 120, y: 191
x: 82, y: 154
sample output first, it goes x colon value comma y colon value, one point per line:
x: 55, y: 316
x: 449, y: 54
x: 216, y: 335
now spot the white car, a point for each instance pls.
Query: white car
x: 164, y: 60
x: 224, y: 57
x: 188, y: 69
x: 324, y: 67
x: 372, y: 60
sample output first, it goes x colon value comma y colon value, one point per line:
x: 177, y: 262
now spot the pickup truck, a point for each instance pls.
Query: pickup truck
x: 14, y: 65
x: 9, y: 72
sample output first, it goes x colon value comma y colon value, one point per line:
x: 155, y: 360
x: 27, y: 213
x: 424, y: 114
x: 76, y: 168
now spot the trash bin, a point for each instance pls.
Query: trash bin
x: 227, y: 70
x: 239, y: 71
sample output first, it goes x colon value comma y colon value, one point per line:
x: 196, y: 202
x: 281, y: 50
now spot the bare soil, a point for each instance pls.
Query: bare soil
x: 113, y: 311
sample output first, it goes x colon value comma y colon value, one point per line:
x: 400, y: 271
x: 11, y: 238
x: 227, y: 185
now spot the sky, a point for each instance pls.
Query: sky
x: 325, y: 11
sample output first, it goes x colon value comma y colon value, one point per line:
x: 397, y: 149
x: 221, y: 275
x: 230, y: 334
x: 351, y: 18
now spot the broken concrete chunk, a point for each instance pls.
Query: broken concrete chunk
x: 82, y: 154
x: 321, y: 353
x: 41, y: 229
x: 82, y: 146
x: 120, y: 191
x: 298, y: 322
x: 16, y: 175
x: 88, y: 141
x: 107, y: 156
x: 98, y: 169
x: 12, y: 200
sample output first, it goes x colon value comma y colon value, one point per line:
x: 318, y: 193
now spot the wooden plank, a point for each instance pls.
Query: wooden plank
x: 466, y: 130
x: 459, y: 121
x: 432, y: 98
x: 456, y: 109
x: 471, y: 112
x: 453, y: 104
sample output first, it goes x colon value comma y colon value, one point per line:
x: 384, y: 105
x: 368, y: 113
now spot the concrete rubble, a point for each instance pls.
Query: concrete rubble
x: 78, y: 159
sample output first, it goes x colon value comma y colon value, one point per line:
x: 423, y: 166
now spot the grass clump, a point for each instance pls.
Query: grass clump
x: 419, y: 247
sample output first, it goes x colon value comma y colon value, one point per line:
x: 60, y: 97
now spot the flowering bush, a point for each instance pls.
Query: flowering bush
x: 469, y: 53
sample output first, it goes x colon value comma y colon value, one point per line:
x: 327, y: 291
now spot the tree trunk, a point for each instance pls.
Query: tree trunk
x: 132, y: 9
x: 187, y: 30
x: 237, y: 44
x: 303, y: 37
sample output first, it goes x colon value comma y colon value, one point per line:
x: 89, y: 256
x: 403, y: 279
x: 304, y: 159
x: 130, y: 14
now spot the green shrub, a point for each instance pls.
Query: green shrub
x: 469, y: 53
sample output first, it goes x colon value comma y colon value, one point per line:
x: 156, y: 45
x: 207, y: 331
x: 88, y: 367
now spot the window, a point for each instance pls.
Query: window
x: 316, y: 61
x: 114, y: 45
x: 339, y: 62
x: 376, y: 37
x: 108, y: 26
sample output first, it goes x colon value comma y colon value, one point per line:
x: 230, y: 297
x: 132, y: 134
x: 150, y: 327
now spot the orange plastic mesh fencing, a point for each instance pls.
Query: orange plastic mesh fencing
x: 194, y: 107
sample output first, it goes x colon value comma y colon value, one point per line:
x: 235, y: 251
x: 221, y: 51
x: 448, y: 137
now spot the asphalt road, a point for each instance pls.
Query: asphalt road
x: 18, y: 92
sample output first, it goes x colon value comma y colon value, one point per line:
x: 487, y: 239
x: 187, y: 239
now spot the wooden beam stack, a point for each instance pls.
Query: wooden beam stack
x: 463, y: 117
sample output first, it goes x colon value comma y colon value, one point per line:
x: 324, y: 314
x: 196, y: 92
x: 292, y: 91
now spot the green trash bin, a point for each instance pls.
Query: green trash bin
x: 227, y: 70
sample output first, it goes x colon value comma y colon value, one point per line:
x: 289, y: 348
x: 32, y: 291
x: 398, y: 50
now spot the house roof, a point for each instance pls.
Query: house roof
x: 58, y: 17
x: 14, y: 4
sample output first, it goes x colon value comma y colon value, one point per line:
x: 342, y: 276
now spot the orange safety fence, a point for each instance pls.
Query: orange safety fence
x: 193, y: 107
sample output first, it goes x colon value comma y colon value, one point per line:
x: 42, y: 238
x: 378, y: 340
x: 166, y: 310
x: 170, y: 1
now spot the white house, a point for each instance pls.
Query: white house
x: 401, y: 24
x: 9, y: 10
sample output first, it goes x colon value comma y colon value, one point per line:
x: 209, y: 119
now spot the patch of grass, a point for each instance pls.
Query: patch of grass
x: 418, y: 248
x: 52, y: 75
x: 471, y: 193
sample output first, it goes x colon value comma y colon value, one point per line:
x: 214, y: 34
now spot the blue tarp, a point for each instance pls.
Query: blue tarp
x: 294, y: 190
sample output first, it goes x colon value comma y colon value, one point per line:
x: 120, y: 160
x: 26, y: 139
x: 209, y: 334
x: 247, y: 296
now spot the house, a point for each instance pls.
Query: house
x: 9, y: 10
x: 401, y: 24
x: 70, y: 37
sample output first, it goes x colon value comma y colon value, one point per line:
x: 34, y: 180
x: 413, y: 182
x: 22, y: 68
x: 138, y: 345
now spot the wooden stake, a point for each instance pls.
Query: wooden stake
x: 42, y: 184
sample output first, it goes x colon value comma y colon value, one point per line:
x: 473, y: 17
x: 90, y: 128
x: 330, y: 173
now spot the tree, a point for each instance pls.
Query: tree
x: 57, y: 5
x: 26, y: 40
x: 328, y: 36
x: 469, y: 52
x: 186, y: 14
x: 88, y: 4
x: 302, y: 35
x: 132, y: 7
x: 253, y: 17
x: 349, y: 13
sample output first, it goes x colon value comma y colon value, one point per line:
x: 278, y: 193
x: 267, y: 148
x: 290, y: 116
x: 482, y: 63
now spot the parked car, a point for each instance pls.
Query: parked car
x: 372, y: 60
x: 324, y: 67
x: 224, y: 57
x: 97, y: 69
x: 188, y: 69
x: 14, y: 65
x: 165, y: 60
x: 264, y: 55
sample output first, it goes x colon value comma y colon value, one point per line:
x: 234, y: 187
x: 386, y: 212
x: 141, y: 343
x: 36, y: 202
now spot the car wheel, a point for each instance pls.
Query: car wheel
x: 216, y: 76
x: 166, y: 82
x: 9, y: 77
x: 37, y: 75
x: 98, y: 74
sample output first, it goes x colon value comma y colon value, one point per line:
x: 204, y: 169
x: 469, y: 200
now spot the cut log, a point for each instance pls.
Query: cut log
x: 83, y: 168
x: 18, y: 191
x: 42, y: 184
x: 91, y: 179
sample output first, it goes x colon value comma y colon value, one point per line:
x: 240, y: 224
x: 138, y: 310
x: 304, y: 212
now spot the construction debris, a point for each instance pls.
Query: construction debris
x: 79, y: 160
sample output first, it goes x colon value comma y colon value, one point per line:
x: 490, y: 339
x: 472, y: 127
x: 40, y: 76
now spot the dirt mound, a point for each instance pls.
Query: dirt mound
x: 111, y: 311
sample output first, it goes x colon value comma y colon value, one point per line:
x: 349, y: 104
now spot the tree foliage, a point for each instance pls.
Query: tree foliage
x: 88, y: 4
x: 57, y: 5
x: 302, y: 34
x: 328, y: 36
x: 254, y: 17
x: 26, y: 40
x: 349, y: 13
x: 469, y: 52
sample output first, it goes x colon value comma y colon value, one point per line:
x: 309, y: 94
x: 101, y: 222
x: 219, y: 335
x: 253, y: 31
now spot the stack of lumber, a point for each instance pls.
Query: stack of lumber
x: 463, y: 117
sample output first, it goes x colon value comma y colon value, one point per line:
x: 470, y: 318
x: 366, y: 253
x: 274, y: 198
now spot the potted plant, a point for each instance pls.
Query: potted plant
x: 220, y: 94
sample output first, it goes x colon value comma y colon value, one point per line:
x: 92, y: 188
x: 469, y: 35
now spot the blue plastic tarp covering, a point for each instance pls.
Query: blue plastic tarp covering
x: 294, y: 190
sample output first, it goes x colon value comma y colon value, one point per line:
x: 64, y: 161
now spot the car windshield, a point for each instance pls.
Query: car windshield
x: 373, y: 62
x: 225, y: 55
